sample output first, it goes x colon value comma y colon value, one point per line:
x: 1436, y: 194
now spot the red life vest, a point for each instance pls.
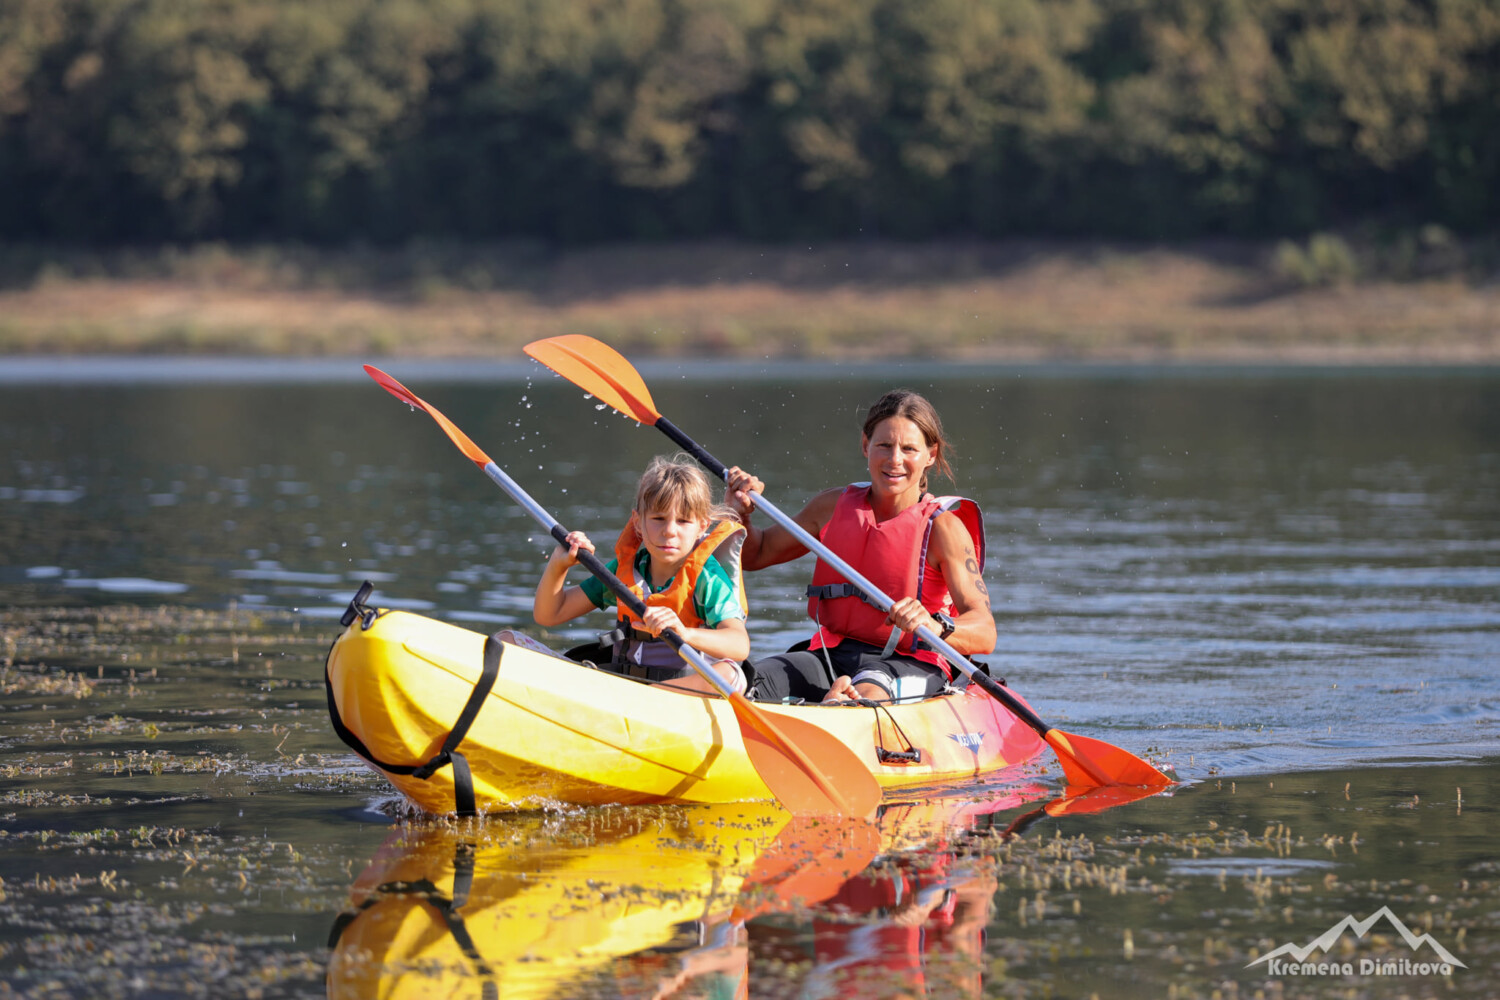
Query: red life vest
x: 892, y: 555
x: 725, y: 540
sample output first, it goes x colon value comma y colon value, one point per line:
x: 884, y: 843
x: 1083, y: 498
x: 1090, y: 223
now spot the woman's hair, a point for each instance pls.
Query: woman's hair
x: 914, y: 407
x: 676, y: 484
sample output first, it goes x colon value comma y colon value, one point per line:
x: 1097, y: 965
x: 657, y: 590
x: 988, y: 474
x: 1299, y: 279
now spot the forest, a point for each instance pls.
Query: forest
x: 591, y: 121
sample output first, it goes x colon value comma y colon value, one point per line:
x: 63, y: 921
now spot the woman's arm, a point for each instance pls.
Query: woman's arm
x: 952, y: 552
x: 555, y: 603
x: 770, y: 546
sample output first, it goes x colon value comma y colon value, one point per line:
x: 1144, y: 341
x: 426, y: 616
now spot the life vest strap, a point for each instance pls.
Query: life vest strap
x: 829, y: 591
x: 624, y: 633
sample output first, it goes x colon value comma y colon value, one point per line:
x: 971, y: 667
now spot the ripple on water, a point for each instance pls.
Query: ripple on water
x: 126, y: 585
x: 1237, y: 867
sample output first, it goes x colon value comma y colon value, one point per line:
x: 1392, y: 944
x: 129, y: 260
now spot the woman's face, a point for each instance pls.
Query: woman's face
x: 898, y: 456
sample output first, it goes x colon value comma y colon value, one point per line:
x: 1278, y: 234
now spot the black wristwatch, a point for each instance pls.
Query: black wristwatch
x: 949, y: 625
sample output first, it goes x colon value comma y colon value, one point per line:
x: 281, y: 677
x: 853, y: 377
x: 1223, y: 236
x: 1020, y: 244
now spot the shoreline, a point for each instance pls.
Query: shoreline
x: 964, y: 303
x: 171, y: 370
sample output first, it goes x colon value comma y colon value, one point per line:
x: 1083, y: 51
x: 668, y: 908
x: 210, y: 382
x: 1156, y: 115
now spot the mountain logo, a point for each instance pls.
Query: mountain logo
x: 1291, y: 959
x: 970, y: 740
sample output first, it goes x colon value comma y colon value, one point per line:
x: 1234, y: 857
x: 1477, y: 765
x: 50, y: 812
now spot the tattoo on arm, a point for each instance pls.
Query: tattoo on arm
x: 984, y: 592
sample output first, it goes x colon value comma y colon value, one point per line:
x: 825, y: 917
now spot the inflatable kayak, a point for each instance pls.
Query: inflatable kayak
x: 461, y: 722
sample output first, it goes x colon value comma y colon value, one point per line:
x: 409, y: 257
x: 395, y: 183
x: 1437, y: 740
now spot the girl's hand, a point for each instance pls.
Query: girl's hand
x: 568, y: 556
x: 657, y: 620
x: 738, y: 486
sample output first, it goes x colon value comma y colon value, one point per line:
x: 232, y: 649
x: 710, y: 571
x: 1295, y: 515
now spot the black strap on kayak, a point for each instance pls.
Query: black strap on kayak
x: 463, y: 778
x: 911, y: 755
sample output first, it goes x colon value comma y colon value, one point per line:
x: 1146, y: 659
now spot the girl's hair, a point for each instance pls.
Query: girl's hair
x: 914, y: 407
x: 676, y: 484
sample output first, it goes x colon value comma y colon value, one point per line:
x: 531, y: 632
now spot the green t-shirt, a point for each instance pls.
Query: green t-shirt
x: 714, y: 597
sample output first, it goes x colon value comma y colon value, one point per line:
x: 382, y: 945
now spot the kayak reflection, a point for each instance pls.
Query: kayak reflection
x: 617, y: 901
x: 658, y: 901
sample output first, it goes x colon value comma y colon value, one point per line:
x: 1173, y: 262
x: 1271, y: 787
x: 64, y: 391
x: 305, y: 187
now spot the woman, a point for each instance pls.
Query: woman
x: 924, y: 552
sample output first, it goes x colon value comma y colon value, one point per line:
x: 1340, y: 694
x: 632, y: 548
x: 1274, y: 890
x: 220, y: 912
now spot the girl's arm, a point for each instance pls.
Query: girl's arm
x: 554, y: 602
x: 727, y: 640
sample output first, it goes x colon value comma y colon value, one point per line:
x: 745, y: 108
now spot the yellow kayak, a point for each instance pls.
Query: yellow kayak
x: 460, y: 722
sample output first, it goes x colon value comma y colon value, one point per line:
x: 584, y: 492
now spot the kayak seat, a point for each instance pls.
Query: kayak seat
x: 599, y: 656
x: 958, y: 683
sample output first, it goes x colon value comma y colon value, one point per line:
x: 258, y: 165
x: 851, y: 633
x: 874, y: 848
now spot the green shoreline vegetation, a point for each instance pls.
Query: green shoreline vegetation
x: 1422, y: 296
x: 1104, y: 179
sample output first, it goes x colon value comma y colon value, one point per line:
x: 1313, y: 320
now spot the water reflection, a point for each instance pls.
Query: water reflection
x: 557, y: 905
x: 672, y: 901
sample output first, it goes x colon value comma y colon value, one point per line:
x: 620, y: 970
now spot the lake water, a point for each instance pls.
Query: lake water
x: 1284, y: 583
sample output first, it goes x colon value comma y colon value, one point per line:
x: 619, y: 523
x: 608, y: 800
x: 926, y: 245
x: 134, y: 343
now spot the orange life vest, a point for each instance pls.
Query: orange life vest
x: 892, y: 555
x: 725, y: 540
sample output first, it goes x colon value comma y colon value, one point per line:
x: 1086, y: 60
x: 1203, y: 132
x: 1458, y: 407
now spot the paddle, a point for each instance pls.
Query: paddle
x: 782, y: 750
x: 602, y: 371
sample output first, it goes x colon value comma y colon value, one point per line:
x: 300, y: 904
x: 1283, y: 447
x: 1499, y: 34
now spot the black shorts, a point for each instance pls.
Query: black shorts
x: 805, y: 674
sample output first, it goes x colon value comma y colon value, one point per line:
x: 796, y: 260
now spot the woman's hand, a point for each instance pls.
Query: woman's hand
x: 908, y: 615
x: 739, y: 484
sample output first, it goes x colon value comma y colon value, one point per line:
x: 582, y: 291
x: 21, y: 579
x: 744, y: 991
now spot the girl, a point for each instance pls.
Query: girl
x: 680, y: 553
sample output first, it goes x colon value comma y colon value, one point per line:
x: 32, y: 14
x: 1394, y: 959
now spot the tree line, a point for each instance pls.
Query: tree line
x: 586, y: 120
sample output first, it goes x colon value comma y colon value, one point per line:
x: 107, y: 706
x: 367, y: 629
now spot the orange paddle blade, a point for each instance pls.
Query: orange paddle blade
x: 1088, y: 762
x: 599, y: 369
x: 458, y: 437
x: 809, y: 769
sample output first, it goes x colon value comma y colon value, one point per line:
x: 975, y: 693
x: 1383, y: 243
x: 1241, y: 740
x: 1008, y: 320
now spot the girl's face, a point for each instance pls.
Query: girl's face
x: 669, y: 535
x: 898, y: 456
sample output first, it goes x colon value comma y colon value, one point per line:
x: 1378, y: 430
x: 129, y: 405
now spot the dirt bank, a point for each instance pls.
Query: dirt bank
x: 1002, y: 301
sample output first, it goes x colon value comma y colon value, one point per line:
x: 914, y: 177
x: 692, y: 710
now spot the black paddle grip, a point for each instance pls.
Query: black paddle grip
x: 623, y: 594
x: 1004, y: 697
x: 692, y: 447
